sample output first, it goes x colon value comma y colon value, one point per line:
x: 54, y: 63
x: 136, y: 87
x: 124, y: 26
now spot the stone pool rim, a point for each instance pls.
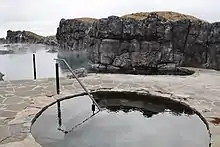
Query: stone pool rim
x: 143, y: 93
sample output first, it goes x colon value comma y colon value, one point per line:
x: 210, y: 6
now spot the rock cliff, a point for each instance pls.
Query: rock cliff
x: 143, y: 40
x: 29, y: 37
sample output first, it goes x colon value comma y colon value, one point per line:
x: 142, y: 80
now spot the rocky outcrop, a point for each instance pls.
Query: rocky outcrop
x: 1, y: 76
x: 29, y: 37
x: 144, y: 41
x: 73, y: 33
x: 2, y: 40
x: 80, y: 72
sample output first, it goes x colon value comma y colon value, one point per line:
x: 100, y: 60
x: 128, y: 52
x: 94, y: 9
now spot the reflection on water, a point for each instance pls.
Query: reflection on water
x: 122, y: 123
x: 19, y: 65
x: 76, y: 60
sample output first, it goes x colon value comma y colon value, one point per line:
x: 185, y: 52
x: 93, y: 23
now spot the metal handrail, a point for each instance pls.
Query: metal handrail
x: 81, y: 84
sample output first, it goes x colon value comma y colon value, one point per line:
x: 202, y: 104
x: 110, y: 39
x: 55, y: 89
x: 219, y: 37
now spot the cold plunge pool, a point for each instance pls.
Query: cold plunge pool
x: 128, y: 119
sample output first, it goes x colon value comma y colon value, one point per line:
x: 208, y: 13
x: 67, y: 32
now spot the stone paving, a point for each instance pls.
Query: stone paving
x: 21, y: 100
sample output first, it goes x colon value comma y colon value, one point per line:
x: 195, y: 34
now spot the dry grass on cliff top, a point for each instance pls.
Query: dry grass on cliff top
x: 87, y: 19
x: 165, y: 14
x: 29, y: 33
x: 39, y: 37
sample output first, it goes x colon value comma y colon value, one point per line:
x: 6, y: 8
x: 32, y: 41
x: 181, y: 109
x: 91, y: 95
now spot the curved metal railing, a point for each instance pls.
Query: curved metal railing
x: 78, y: 80
x: 86, y: 90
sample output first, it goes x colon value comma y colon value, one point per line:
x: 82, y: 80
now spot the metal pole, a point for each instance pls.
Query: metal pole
x: 59, y: 114
x: 81, y: 84
x: 34, y: 67
x: 57, y: 78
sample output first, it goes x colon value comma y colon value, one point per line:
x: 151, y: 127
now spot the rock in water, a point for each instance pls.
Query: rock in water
x: 80, y: 72
x: 3, y: 52
x: 97, y: 67
x: 1, y: 76
x: 52, y: 50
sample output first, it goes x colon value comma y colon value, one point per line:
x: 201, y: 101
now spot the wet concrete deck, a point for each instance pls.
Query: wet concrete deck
x: 21, y: 100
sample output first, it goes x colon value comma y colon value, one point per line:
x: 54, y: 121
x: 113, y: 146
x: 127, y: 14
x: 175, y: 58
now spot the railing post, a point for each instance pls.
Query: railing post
x: 59, y: 114
x: 57, y: 78
x: 34, y: 67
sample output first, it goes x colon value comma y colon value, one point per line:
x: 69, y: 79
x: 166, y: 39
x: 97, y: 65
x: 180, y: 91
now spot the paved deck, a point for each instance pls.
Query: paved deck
x: 21, y: 100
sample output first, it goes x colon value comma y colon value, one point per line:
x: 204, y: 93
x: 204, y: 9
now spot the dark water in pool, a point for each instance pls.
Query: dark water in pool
x: 19, y: 66
x: 121, y: 124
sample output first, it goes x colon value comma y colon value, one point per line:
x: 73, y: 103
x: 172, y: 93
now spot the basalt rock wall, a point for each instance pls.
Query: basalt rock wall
x: 29, y: 37
x: 129, y: 43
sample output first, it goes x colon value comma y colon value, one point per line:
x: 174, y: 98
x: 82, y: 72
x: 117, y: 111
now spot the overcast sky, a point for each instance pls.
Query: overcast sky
x: 43, y: 16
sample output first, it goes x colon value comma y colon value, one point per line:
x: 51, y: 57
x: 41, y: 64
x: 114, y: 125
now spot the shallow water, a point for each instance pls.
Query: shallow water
x: 118, y: 128
x: 19, y: 66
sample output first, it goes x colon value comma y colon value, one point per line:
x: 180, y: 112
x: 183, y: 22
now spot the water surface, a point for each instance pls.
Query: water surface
x: 119, y: 126
x: 19, y: 66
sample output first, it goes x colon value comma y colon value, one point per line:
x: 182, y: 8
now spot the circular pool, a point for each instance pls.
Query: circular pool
x: 126, y: 119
